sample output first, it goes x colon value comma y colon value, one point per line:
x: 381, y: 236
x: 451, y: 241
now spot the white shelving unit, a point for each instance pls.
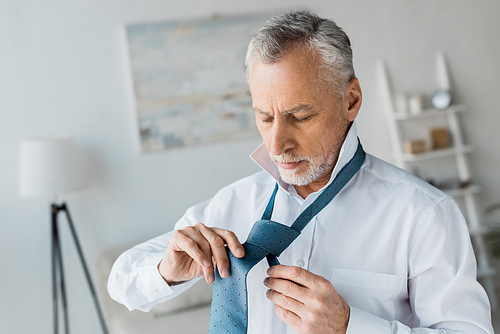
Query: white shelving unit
x: 459, y: 151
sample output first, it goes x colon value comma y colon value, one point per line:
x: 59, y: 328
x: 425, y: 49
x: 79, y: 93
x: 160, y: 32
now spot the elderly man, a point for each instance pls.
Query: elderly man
x: 388, y: 254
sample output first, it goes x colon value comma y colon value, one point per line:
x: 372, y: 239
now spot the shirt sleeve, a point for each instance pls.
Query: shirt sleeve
x: 443, y: 291
x: 134, y: 280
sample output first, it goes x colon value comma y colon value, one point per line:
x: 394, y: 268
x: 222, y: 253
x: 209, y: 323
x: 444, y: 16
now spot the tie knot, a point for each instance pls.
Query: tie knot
x: 271, y: 236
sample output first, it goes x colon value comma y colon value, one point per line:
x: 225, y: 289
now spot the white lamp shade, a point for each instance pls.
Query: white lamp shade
x: 49, y: 166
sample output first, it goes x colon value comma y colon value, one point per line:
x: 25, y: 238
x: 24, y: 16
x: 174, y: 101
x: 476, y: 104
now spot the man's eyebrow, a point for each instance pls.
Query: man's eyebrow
x: 301, y: 107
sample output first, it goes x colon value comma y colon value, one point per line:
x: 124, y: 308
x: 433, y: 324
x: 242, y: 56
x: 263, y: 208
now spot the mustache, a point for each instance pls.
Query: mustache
x: 288, y: 157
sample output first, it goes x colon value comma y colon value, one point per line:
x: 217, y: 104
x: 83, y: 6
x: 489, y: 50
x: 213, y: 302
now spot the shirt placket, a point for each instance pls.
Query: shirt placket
x: 302, y: 246
x: 302, y: 252
x: 302, y: 249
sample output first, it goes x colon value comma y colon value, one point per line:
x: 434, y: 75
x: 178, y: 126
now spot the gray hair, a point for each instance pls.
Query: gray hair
x: 282, y: 33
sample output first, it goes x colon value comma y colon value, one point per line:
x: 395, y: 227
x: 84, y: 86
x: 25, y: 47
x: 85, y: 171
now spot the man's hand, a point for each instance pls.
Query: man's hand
x: 306, y: 302
x: 195, y: 250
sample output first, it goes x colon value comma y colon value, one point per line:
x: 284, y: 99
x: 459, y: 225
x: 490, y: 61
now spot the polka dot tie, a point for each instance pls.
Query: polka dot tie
x: 267, y: 239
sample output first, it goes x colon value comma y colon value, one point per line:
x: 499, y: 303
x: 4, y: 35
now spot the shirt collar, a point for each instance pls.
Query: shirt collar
x: 261, y: 157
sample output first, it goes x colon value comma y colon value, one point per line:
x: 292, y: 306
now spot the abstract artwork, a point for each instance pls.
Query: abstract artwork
x: 189, y: 81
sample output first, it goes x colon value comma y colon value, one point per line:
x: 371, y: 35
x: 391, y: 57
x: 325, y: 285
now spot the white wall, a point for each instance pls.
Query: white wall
x: 63, y: 71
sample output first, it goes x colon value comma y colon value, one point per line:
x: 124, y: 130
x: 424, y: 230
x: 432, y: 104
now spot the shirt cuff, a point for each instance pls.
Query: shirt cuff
x: 153, y: 285
x: 364, y: 322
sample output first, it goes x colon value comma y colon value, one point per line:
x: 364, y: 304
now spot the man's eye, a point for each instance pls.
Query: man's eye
x: 267, y: 120
x: 297, y: 119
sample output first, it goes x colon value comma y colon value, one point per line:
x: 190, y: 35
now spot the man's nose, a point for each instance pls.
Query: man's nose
x: 281, y: 137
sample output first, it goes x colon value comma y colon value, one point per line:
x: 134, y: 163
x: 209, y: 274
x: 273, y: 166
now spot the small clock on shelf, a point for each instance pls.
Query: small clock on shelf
x: 441, y: 99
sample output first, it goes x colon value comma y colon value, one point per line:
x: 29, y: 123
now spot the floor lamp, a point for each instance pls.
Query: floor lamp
x: 51, y: 167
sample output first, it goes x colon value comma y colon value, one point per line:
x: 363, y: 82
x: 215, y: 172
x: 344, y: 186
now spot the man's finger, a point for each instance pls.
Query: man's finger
x: 184, y: 243
x: 231, y: 241
x: 292, y: 273
x: 218, y: 248
x: 287, y: 288
x: 288, y: 317
x: 204, y: 245
x: 285, y: 302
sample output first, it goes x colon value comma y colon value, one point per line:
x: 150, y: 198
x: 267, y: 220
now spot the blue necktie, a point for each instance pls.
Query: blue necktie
x: 229, y: 313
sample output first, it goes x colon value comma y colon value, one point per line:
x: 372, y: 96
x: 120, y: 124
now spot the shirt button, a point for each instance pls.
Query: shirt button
x: 300, y: 262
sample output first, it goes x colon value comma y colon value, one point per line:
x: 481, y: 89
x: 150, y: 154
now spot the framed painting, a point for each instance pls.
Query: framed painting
x: 189, y: 81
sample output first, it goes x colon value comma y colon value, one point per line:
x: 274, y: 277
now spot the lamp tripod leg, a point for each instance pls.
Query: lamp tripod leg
x: 84, y: 265
x: 54, y: 251
x: 62, y: 284
x: 58, y: 272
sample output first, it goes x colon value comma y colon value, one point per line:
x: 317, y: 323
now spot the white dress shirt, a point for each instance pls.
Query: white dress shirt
x: 395, y: 248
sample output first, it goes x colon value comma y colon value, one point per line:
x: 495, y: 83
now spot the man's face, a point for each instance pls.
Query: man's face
x: 300, y: 119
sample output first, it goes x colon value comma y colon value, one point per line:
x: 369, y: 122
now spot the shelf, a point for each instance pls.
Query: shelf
x: 429, y: 113
x: 470, y: 190
x: 434, y: 154
x: 403, y: 126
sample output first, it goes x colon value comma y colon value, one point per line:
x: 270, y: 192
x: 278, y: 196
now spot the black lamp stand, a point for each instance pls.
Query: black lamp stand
x: 58, y: 272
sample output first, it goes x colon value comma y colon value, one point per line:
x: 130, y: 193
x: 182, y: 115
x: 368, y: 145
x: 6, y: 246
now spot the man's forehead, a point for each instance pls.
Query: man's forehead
x: 294, y: 109
x: 296, y: 59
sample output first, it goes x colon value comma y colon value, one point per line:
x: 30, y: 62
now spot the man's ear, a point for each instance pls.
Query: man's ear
x: 352, y: 100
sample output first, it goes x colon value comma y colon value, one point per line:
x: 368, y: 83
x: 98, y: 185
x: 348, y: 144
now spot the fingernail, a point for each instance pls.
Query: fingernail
x: 268, y: 292
x: 206, y: 263
x: 225, y: 272
x: 239, y: 251
x: 270, y: 271
x: 211, y: 278
x: 266, y: 280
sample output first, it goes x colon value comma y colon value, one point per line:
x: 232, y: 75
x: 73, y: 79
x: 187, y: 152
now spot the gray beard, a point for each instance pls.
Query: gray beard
x: 317, y: 167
